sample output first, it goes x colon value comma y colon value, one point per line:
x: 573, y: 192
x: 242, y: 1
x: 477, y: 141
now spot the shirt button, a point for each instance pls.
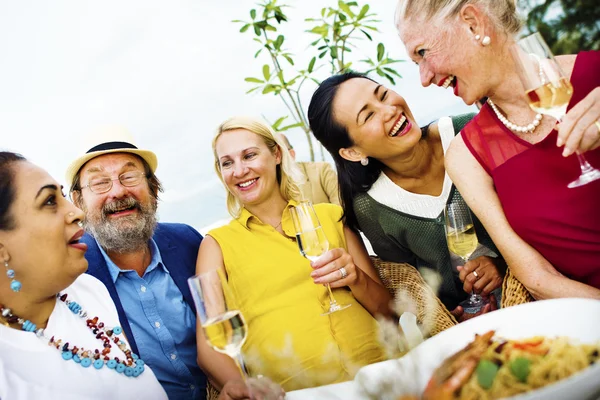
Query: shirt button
x: 143, y: 288
x: 157, y: 324
x: 173, y: 356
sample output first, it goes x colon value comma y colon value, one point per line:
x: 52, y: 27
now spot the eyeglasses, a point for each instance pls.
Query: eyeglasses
x: 103, y: 185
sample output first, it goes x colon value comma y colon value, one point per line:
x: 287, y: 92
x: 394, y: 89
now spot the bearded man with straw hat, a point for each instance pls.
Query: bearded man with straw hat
x: 144, y: 264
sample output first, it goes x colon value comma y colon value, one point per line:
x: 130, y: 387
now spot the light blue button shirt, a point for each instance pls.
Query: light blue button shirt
x: 163, y: 325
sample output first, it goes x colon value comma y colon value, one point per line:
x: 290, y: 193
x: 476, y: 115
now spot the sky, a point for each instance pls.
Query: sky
x: 170, y: 72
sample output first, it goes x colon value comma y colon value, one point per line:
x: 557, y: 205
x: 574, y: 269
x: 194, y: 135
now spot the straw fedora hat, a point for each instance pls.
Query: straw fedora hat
x: 107, y: 140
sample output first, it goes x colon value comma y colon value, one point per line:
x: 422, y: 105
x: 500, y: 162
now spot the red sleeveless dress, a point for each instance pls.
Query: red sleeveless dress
x: 531, y: 181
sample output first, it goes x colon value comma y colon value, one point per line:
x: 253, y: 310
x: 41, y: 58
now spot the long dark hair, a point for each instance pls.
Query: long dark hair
x: 7, y: 188
x: 353, y: 178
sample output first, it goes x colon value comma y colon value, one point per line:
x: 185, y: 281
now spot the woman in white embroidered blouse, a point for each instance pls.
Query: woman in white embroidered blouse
x: 59, y: 329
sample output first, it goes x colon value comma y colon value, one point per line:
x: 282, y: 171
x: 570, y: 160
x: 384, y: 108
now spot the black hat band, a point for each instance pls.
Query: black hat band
x: 111, y: 146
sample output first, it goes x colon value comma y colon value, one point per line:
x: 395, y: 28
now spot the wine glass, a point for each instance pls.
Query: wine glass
x: 312, y: 242
x: 462, y: 241
x: 223, y: 324
x: 547, y: 88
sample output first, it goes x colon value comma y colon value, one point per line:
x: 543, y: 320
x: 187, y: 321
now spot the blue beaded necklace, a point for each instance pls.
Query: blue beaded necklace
x: 132, y: 366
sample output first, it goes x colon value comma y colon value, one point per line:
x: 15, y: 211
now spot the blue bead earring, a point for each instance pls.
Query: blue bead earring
x: 15, y: 285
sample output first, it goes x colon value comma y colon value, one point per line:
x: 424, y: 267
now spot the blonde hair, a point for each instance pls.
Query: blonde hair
x: 502, y: 13
x: 288, y: 186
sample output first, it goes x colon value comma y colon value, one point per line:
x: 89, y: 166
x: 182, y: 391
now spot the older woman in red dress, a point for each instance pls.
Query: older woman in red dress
x: 511, y: 165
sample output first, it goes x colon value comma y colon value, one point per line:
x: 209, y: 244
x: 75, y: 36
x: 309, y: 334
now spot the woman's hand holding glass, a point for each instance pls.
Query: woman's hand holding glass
x: 549, y: 91
x: 336, y: 268
x: 579, y: 129
x: 480, y: 275
x: 313, y: 243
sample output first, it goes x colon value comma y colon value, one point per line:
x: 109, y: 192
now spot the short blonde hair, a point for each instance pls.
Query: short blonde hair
x: 285, y: 171
x: 502, y: 13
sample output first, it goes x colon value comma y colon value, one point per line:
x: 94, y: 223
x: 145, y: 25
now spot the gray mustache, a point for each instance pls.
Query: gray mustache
x: 128, y: 202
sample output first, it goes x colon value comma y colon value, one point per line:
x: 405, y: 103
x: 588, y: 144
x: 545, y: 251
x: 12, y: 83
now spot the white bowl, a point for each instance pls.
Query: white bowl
x: 576, y: 318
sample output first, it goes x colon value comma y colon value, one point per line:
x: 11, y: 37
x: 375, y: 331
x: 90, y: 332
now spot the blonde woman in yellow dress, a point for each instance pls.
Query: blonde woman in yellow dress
x: 279, y: 292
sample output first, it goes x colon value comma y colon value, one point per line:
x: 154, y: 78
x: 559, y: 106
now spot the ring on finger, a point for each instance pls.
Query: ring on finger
x: 476, y: 274
x: 343, y: 272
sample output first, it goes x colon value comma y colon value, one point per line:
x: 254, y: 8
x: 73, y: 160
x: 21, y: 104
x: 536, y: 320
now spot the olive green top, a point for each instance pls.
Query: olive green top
x: 402, y: 237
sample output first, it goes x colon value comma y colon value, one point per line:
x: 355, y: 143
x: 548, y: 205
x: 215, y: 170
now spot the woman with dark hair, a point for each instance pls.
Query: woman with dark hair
x: 393, y: 183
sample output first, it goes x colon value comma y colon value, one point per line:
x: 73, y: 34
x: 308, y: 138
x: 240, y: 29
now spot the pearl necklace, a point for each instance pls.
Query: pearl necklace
x: 514, y: 127
x: 132, y: 366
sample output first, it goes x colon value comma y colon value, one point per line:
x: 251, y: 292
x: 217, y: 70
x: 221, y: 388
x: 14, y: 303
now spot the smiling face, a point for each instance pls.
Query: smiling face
x: 123, y: 218
x: 377, y: 119
x: 43, y: 247
x: 248, y: 167
x: 448, y: 55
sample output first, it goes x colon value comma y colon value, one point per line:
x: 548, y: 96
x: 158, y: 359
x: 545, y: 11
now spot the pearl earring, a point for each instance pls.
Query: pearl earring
x: 15, y: 285
x: 477, y: 37
x: 364, y: 161
x: 486, y: 41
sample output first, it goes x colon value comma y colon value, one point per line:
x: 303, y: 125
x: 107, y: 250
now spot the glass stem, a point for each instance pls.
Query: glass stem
x: 331, y: 299
x: 238, y: 363
x: 583, y: 164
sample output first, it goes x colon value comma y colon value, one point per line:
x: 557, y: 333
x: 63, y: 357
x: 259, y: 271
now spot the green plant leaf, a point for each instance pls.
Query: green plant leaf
x: 253, y: 14
x: 279, y: 42
x: 269, y: 89
x: 244, y: 28
x: 311, y: 64
x: 288, y: 58
x: 254, y: 80
x: 266, y: 72
x: 366, y: 34
x: 392, y: 71
x: 287, y: 127
x: 363, y: 11
x: 276, y: 124
x: 253, y: 89
x: 323, y: 54
x: 270, y: 28
x: 257, y: 53
x: 380, y: 51
x: 333, y: 53
x: 345, y: 7
x: 256, y: 29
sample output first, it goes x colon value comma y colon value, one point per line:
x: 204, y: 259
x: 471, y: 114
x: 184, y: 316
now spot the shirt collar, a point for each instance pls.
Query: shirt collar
x: 246, y: 216
x: 155, y: 261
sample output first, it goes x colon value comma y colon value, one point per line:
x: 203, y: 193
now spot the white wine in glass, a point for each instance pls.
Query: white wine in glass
x: 312, y: 242
x: 226, y: 333
x: 462, y: 241
x: 222, y: 323
x: 547, y: 89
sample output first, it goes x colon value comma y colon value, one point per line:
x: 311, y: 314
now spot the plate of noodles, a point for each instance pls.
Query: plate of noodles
x: 546, y: 349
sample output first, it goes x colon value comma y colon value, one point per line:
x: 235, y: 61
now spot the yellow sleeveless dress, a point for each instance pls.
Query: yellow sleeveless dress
x: 288, y: 339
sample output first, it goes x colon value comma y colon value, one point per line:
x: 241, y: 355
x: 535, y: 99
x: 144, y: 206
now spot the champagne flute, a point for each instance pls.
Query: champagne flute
x: 223, y: 324
x: 312, y: 242
x: 548, y: 90
x: 462, y: 241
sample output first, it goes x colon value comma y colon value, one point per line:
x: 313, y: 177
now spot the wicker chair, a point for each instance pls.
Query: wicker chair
x: 513, y: 291
x: 404, y: 280
x: 211, y: 392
